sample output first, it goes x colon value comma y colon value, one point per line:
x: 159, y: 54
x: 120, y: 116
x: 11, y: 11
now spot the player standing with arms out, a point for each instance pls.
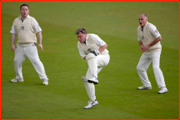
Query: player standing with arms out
x: 26, y: 27
x: 149, y: 41
x: 92, y: 49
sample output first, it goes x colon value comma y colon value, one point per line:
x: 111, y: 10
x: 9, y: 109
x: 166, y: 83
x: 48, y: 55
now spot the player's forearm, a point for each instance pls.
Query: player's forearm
x: 40, y: 37
x: 13, y: 37
x: 155, y: 41
x: 102, y: 48
x: 140, y: 43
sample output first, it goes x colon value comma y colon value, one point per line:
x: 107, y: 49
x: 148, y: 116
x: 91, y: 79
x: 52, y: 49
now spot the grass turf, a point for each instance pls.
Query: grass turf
x: 65, y: 96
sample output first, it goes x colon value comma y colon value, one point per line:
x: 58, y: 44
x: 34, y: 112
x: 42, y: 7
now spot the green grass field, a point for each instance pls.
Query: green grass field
x: 116, y: 23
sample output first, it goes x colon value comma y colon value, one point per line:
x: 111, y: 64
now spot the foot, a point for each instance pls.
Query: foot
x: 45, y: 82
x: 143, y: 88
x: 91, y: 104
x: 93, y: 80
x: 163, y: 90
x: 16, y: 80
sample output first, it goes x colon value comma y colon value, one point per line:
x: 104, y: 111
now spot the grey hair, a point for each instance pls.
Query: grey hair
x: 82, y: 30
x: 144, y: 15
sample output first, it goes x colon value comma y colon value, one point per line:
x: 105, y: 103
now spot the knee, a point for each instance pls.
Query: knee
x: 36, y: 61
x: 140, y: 68
x: 90, y: 56
x: 17, y: 61
x: 155, y: 68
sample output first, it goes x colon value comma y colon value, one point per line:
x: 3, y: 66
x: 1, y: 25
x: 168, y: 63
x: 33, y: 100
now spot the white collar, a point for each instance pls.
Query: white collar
x: 86, y: 38
x: 24, y: 19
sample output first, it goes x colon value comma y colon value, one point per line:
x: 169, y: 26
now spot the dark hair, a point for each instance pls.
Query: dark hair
x: 82, y: 30
x: 24, y: 5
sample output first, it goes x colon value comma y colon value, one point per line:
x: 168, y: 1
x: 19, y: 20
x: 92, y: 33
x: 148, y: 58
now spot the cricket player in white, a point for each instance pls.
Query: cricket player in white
x: 149, y: 41
x: 26, y: 27
x: 92, y: 49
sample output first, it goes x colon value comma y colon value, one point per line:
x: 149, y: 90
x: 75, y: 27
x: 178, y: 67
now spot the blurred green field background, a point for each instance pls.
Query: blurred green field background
x: 116, y: 23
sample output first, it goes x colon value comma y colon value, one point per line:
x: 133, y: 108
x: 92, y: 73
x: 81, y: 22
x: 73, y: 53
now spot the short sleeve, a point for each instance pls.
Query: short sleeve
x: 36, y: 26
x: 154, y: 31
x: 13, y: 30
x: 98, y: 40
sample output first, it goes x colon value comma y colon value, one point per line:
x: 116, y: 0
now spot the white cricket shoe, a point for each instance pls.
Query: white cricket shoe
x: 16, y: 80
x: 91, y: 104
x: 163, y: 90
x: 93, y: 80
x: 45, y: 82
x: 143, y: 88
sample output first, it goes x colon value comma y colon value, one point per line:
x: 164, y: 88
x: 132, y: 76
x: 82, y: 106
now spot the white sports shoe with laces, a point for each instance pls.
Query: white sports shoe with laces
x: 91, y: 104
x: 92, y: 80
x: 95, y: 81
x: 16, y: 80
x: 163, y: 90
x: 45, y: 82
x: 143, y: 88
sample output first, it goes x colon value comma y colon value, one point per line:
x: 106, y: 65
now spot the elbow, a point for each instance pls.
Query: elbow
x: 160, y: 38
x: 105, y: 46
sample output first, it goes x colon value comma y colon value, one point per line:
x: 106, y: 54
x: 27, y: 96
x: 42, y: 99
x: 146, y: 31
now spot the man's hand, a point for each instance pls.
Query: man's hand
x: 41, y: 47
x: 13, y: 48
x: 144, y: 48
x: 95, y: 52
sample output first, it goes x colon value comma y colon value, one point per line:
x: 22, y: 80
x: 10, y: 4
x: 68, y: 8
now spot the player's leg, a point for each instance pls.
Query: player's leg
x: 93, y: 69
x: 32, y: 53
x: 18, y: 60
x: 158, y: 73
x: 90, y: 89
x: 103, y: 60
x: 142, y: 66
x: 95, y: 66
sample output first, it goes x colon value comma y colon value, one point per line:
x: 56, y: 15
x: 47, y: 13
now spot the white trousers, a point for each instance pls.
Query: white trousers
x: 100, y: 62
x: 30, y: 51
x: 143, y: 65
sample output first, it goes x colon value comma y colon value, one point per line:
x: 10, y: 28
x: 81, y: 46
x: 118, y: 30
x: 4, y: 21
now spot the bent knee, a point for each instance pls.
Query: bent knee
x: 16, y: 60
x: 156, y: 68
x: 90, y: 56
x: 140, y: 68
x: 36, y: 61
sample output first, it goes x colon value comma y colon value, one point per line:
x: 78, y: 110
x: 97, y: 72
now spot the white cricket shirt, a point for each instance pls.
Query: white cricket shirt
x: 147, y: 35
x: 97, y: 40
x: 152, y: 29
x: 36, y: 26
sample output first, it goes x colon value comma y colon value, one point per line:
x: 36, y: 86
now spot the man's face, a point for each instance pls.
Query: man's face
x: 24, y: 11
x: 81, y: 37
x: 142, y: 20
